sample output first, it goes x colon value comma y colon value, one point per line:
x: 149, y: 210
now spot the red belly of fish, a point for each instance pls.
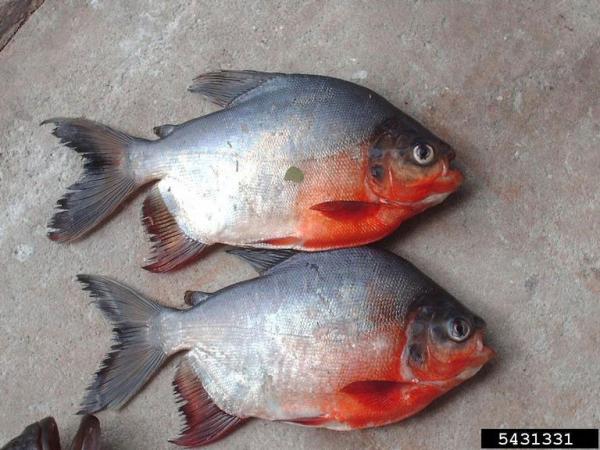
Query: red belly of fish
x: 395, y: 402
x: 384, y: 397
x: 365, y: 225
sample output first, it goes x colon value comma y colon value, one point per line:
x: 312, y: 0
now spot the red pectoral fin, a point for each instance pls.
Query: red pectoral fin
x: 372, y: 403
x: 375, y: 394
x: 347, y: 210
x: 310, y: 421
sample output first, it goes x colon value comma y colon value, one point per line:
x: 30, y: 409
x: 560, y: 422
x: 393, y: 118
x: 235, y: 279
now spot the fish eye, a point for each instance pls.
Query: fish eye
x: 459, y: 329
x: 423, y: 154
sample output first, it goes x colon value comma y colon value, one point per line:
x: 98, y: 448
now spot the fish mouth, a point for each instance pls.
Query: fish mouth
x: 444, y: 184
x: 478, y: 358
x: 450, y: 179
x: 431, y: 200
x: 482, y: 354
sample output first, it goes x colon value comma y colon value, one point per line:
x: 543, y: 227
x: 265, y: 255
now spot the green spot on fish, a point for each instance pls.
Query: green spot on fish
x: 294, y: 174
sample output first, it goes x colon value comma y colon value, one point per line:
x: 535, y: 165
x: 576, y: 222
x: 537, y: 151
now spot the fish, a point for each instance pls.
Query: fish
x: 345, y: 339
x: 291, y: 161
x: 43, y: 435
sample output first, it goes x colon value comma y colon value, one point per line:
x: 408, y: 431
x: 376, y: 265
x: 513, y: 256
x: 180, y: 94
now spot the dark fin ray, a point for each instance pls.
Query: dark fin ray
x: 106, y: 181
x: 88, y: 434
x: 205, y: 422
x: 347, y: 210
x: 228, y: 86
x: 194, y: 298
x: 262, y: 259
x: 163, y: 131
x: 137, y: 352
x: 171, y: 247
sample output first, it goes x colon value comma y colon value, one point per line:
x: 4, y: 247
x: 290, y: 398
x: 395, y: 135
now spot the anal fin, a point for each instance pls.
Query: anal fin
x: 205, y: 422
x: 171, y: 247
x: 373, y: 392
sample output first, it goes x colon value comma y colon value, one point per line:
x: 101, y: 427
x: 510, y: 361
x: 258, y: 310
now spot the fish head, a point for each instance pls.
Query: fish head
x: 409, y: 166
x: 445, y: 343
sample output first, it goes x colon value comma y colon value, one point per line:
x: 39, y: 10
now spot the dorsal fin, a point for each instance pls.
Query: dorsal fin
x: 262, y: 259
x: 194, y: 298
x: 205, y: 422
x: 171, y: 247
x: 227, y: 86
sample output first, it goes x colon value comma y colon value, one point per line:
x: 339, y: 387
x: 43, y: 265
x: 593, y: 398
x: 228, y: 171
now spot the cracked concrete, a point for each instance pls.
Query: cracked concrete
x: 514, y: 86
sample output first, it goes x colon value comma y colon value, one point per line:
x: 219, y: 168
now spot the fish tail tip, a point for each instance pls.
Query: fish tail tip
x: 52, y: 235
x: 83, y: 278
x: 60, y: 237
x: 51, y: 121
x: 57, y: 236
x: 181, y: 442
x: 154, y: 268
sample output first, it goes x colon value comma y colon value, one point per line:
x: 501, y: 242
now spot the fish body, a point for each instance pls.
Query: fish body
x: 292, y: 161
x: 346, y: 339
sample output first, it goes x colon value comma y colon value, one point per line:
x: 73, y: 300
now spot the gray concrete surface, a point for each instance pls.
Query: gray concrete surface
x: 515, y: 87
x: 13, y: 13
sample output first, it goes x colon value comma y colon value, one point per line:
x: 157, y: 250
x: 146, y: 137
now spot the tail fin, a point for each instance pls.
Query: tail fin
x: 137, y: 352
x: 106, y: 180
x: 88, y: 434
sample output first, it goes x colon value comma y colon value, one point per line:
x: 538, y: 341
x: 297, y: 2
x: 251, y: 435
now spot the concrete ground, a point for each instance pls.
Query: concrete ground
x: 515, y: 87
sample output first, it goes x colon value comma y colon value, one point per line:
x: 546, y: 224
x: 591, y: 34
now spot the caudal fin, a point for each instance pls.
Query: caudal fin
x: 88, y: 434
x: 137, y: 352
x: 106, y: 182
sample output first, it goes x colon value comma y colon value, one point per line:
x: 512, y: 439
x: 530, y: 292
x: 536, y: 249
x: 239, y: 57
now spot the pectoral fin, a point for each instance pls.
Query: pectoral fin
x: 345, y: 210
x: 375, y: 394
x: 317, y: 421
